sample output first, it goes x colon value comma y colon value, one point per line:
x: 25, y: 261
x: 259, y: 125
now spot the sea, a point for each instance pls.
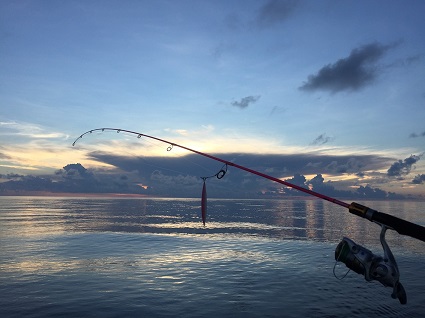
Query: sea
x: 153, y: 257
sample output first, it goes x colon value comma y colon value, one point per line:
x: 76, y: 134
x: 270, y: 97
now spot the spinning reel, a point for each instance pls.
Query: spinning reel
x: 373, y: 267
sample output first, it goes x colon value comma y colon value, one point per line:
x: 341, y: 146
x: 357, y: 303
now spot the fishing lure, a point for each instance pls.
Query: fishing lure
x: 204, y: 203
x: 218, y: 175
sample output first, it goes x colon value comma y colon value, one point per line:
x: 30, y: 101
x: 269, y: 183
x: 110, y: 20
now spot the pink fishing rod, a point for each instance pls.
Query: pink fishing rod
x: 172, y: 144
x: 401, y: 226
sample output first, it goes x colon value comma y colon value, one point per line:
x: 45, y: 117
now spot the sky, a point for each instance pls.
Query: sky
x: 326, y: 94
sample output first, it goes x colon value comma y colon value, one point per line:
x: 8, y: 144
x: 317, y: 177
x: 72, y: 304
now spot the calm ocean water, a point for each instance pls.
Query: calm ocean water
x: 110, y: 257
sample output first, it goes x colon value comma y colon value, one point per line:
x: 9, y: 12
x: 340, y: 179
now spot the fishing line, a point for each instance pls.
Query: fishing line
x: 170, y: 151
x: 219, y: 175
x: 186, y: 158
x: 152, y: 145
x: 336, y: 262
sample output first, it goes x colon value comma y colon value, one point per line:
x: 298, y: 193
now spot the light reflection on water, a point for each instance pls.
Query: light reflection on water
x: 283, y: 219
x: 153, y: 257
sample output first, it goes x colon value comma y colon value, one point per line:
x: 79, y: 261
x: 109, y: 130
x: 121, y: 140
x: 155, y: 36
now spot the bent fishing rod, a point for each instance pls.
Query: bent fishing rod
x: 355, y: 257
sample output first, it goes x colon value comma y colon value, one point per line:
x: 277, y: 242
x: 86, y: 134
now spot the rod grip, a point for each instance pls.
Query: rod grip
x: 401, y: 226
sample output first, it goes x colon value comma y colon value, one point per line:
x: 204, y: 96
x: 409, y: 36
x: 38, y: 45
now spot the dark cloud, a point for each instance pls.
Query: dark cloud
x: 372, y: 193
x: 402, y: 167
x: 419, y: 179
x: 275, y: 11
x: 319, y: 185
x: 298, y: 180
x: 415, y: 135
x: 26, y: 183
x: 276, y: 164
x: 177, y: 180
x: 350, y: 165
x: 321, y: 140
x: 12, y: 176
x: 73, y: 178
x: 317, y: 181
x: 246, y: 101
x: 360, y: 174
x: 350, y: 73
x: 181, y: 176
x: 74, y: 171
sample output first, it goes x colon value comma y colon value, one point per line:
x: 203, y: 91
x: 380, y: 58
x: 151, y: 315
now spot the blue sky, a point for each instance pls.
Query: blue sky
x: 338, y: 83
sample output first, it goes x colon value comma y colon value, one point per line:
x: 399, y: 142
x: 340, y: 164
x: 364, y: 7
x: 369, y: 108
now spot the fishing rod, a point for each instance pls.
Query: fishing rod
x: 355, y: 257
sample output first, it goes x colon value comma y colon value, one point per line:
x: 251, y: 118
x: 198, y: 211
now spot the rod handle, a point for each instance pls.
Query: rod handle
x: 401, y: 226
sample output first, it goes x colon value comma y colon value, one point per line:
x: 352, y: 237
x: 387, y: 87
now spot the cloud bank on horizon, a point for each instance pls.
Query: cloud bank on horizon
x: 181, y: 176
x: 329, y: 94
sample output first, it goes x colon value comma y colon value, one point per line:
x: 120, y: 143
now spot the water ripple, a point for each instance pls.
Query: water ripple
x: 110, y: 258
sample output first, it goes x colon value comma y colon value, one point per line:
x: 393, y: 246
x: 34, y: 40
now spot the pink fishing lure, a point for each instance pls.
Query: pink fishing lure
x: 204, y: 203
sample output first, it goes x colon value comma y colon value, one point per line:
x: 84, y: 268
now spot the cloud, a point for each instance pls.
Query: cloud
x: 349, y: 165
x: 275, y: 11
x: 298, y: 180
x: 321, y: 140
x: 277, y: 110
x: 171, y: 180
x: 246, y: 101
x: 11, y: 176
x: 181, y: 176
x: 75, y: 171
x: 351, y: 73
x: 317, y: 180
x: 405, y: 62
x: 415, y: 135
x: 27, y: 183
x: 28, y: 130
x: 373, y: 193
x: 280, y: 164
x: 402, y: 167
x: 73, y: 178
x: 419, y: 179
x: 319, y: 185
